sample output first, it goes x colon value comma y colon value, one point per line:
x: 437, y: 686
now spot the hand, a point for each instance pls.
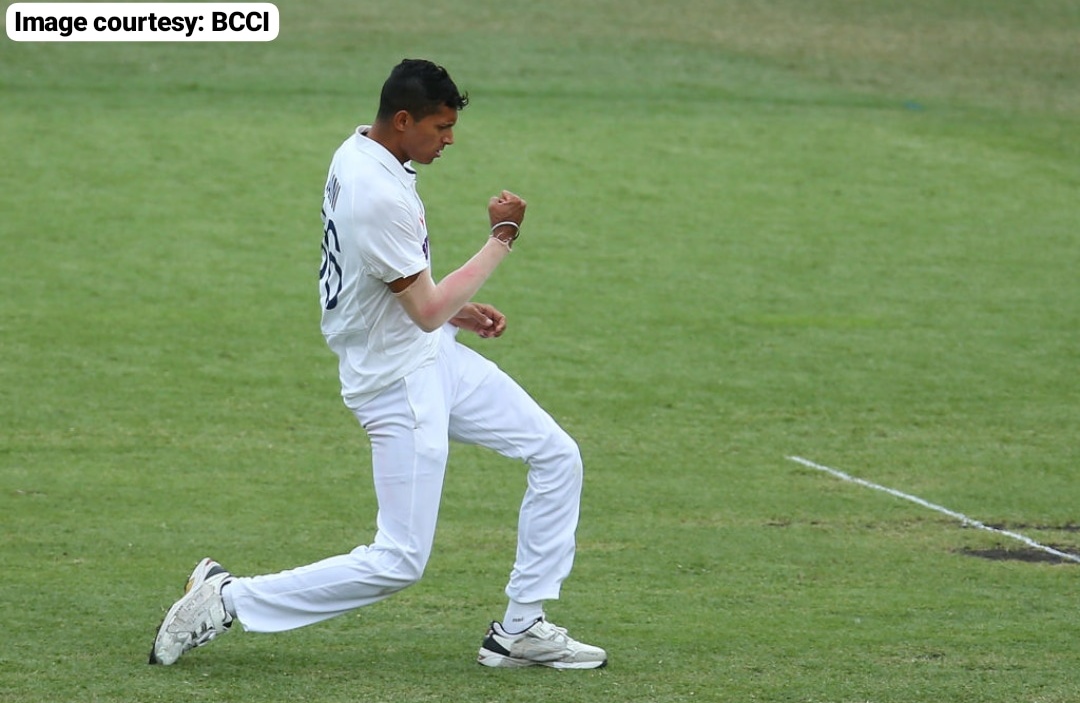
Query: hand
x: 506, y: 207
x: 481, y: 318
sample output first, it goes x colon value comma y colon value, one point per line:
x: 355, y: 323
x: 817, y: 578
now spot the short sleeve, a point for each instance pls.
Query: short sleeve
x: 394, y: 244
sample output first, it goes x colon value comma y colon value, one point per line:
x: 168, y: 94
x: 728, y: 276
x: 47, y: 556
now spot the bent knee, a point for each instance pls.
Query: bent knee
x: 409, y: 566
x: 394, y: 568
x: 565, y: 449
x: 407, y: 574
x: 559, y: 459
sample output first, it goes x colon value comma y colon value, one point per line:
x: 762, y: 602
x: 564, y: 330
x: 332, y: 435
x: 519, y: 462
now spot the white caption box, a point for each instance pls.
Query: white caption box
x: 142, y: 21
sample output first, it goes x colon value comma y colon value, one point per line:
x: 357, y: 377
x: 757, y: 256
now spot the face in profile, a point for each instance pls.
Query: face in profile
x: 423, y: 140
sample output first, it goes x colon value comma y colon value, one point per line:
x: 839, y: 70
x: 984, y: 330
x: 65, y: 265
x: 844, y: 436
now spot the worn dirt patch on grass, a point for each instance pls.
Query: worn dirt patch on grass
x: 1021, y: 554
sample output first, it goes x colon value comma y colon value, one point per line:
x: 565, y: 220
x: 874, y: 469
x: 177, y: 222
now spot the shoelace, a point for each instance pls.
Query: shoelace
x: 559, y: 632
x: 205, y: 633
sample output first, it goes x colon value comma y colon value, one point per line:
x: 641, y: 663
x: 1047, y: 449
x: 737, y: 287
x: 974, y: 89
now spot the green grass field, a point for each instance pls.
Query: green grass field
x: 847, y: 231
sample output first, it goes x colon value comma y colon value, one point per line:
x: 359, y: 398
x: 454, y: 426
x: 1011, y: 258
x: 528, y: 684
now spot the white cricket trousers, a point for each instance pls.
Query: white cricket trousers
x: 467, y: 398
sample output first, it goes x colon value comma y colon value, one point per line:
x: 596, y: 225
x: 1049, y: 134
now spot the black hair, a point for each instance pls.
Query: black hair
x: 421, y: 88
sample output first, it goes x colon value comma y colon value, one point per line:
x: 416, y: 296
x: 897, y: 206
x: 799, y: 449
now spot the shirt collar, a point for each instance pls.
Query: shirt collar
x: 402, y: 171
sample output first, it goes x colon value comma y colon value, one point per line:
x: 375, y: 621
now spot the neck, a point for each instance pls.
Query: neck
x: 387, y: 136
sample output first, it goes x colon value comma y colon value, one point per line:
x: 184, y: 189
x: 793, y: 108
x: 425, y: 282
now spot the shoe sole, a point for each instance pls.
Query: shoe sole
x: 190, y: 592
x: 501, y: 661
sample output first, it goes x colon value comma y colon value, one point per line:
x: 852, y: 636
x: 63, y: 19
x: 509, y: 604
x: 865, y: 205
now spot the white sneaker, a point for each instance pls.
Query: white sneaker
x: 196, y: 618
x: 543, y: 644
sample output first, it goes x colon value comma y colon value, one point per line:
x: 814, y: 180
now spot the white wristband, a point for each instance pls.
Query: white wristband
x: 507, y: 242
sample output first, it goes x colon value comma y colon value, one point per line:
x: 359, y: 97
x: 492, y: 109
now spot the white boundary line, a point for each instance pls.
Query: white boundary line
x: 927, y: 504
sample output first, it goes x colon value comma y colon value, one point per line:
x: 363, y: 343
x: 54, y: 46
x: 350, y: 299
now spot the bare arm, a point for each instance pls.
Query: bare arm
x: 431, y: 305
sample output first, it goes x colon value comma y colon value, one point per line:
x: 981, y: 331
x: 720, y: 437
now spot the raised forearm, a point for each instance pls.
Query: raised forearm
x: 431, y: 305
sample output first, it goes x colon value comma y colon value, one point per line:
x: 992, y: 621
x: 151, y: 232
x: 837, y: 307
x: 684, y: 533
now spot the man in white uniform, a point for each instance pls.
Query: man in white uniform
x: 413, y: 388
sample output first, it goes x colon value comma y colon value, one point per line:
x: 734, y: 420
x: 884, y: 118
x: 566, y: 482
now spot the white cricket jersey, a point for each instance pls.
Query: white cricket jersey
x: 374, y: 233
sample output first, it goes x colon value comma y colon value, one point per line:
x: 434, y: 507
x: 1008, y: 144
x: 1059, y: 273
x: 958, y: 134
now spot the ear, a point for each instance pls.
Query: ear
x: 401, y: 120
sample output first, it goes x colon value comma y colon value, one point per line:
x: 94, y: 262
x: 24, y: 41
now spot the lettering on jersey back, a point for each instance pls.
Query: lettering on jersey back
x: 333, y: 188
x: 330, y: 271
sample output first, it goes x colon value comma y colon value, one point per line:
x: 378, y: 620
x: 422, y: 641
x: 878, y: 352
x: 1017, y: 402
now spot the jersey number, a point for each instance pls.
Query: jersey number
x: 330, y: 271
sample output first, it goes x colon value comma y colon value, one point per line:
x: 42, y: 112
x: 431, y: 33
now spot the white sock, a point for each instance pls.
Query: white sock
x: 521, y: 616
x: 226, y: 598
